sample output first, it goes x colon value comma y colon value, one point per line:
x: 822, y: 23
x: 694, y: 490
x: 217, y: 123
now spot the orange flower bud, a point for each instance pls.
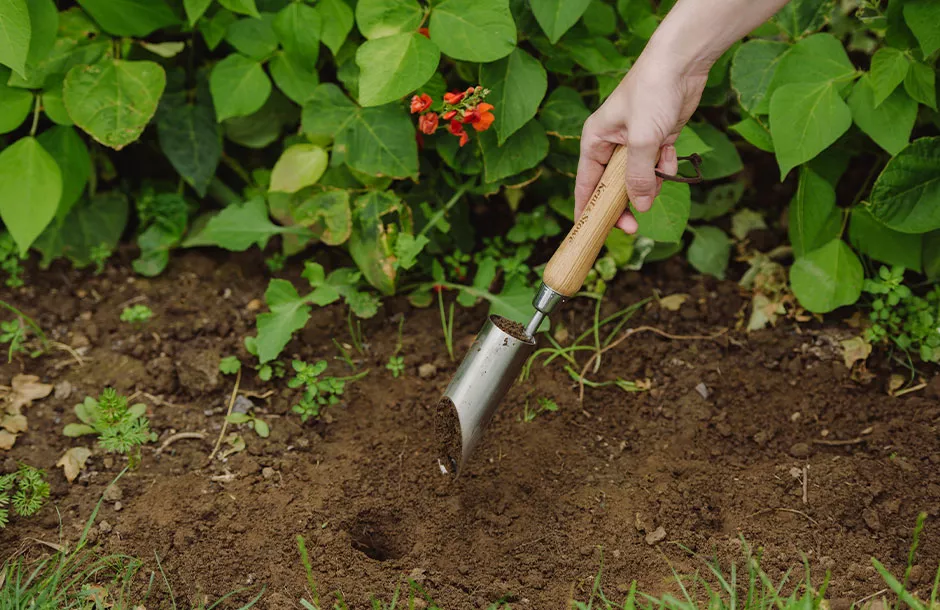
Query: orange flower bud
x: 428, y: 123
x: 424, y: 32
x: 454, y: 97
x: 420, y: 103
x: 449, y: 115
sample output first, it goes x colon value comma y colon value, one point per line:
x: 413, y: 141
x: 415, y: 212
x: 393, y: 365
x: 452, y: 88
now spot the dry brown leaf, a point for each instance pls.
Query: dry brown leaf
x: 73, y: 461
x: 854, y: 350
x: 14, y: 423
x: 674, y: 301
x: 894, y: 383
x: 6, y: 440
x: 26, y: 389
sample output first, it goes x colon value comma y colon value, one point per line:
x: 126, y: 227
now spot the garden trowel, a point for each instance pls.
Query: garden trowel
x: 502, y: 346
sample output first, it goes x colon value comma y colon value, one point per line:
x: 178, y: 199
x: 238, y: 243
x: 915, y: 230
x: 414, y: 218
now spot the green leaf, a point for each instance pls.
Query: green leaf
x: 931, y: 255
x: 888, y: 69
x: 44, y: 25
x: 666, y: 219
x: 297, y: 82
x: 827, y: 278
x: 557, y: 16
x: 523, y: 150
x: 243, y: 7
x: 517, y: 84
x: 407, y: 249
x: 921, y: 84
x: 262, y: 428
x: 923, y: 17
x: 710, y: 251
x: 722, y: 158
x: 298, y: 27
x: 755, y: 133
x: 473, y: 30
x: 719, y: 201
x: 600, y: 19
x: 76, y: 430
x: 690, y: 142
x: 378, y: 141
x: 253, y: 38
x: 155, y: 244
x: 369, y: 243
x: 53, y: 105
x: 514, y: 302
x: 79, y: 41
x: 132, y: 18
x: 394, y: 66
x: 113, y: 100
x: 380, y: 18
x: 596, y: 55
x: 799, y: 17
x: 820, y: 58
x: 906, y: 196
x: 215, y: 28
x: 873, y: 239
x: 744, y: 221
x: 299, y: 166
x: 15, y: 34
x: 90, y: 226
x: 191, y: 139
x: 327, y: 215
x: 805, y: 119
x: 15, y: 104
x: 289, y: 313
x: 71, y: 155
x: 239, y: 87
x: 195, y: 9
x: 337, y: 20
x: 752, y: 70
x: 563, y: 113
x: 814, y: 218
x: 238, y: 227
x: 30, y: 190
x: 890, y: 124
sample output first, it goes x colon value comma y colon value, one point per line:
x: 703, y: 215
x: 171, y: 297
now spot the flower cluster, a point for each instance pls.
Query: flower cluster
x: 460, y: 108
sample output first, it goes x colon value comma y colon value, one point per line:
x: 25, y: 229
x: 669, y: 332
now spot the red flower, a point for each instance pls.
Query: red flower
x: 449, y: 115
x: 480, y: 117
x: 420, y: 103
x: 454, y: 98
x: 457, y: 129
x: 428, y: 123
x: 424, y: 32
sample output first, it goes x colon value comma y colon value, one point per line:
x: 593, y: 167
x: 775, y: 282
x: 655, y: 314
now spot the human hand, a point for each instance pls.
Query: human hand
x: 645, y: 113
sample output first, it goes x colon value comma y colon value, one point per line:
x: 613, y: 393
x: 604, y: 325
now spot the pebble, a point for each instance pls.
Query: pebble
x: 801, y: 450
x: 917, y: 574
x: 242, y: 404
x: 657, y: 535
x: 118, y: 507
x: 113, y: 493
x: 703, y: 390
x: 104, y: 527
x: 427, y: 370
x: 267, y: 472
x: 63, y: 390
x: 108, y: 462
x: 464, y: 569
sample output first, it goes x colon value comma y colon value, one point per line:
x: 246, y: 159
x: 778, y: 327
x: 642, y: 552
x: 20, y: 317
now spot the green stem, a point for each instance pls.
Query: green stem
x: 36, y: 106
x: 355, y: 377
x: 447, y: 206
x: 447, y: 328
x: 237, y: 168
x: 32, y: 324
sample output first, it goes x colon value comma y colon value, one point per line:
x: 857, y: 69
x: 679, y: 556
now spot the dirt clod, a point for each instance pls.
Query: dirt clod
x: 657, y: 535
x: 801, y: 450
x: 427, y: 370
x: 113, y: 493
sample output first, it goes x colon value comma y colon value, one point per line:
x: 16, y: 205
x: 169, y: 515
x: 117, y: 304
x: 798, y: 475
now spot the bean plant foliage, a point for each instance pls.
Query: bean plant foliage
x: 367, y: 131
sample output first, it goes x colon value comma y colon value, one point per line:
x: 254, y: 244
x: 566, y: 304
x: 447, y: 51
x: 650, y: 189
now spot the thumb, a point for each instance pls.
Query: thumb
x: 642, y: 157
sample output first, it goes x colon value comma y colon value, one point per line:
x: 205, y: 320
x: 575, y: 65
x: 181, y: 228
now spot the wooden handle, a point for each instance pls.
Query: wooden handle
x: 569, y: 266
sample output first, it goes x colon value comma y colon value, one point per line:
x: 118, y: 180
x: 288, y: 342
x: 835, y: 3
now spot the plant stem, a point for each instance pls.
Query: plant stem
x: 447, y: 206
x: 231, y: 404
x: 236, y: 167
x: 447, y: 327
x: 36, y: 106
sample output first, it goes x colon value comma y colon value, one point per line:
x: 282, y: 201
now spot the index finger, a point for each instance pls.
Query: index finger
x: 595, y: 154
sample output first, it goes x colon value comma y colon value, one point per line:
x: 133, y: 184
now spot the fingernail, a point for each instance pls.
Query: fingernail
x: 643, y: 203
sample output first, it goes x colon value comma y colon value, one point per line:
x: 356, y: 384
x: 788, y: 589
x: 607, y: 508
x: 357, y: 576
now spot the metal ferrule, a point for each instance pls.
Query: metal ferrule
x: 547, y: 299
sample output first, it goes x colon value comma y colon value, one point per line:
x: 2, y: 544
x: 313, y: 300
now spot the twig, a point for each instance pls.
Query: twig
x: 258, y: 395
x: 161, y: 401
x: 785, y: 510
x: 71, y: 351
x: 838, y: 443
x: 868, y: 597
x: 806, y: 484
x: 231, y: 403
x: 627, y: 334
x: 178, y: 437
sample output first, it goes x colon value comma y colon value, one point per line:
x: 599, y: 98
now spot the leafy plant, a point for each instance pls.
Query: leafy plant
x: 253, y: 422
x: 396, y: 363
x: 10, y: 261
x: 319, y: 391
x: 120, y: 428
x: 136, y: 314
x: 22, y: 493
x: 230, y: 365
x: 543, y: 405
x: 901, y: 318
x: 13, y: 333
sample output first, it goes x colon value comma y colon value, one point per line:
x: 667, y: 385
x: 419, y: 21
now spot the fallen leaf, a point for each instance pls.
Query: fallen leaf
x: 854, y: 350
x: 73, y: 461
x: 26, y: 389
x: 14, y: 423
x: 673, y: 302
x: 6, y: 440
x: 894, y: 383
x: 764, y: 312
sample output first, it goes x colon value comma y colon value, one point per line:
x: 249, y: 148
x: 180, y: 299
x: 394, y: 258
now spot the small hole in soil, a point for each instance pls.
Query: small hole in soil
x: 372, y: 535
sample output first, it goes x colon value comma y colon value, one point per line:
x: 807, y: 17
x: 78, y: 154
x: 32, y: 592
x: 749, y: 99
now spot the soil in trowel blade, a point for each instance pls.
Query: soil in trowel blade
x: 447, y: 431
x: 511, y: 328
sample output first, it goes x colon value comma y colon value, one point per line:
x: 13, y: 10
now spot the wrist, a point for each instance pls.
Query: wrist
x: 680, y: 50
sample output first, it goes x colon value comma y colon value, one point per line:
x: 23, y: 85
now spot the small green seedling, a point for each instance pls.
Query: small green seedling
x: 99, y: 255
x: 230, y: 365
x: 120, y: 428
x: 22, y: 492
x: 10, y: 261
x: 319, y: 392
x: 13, y: 332
x: 545, y: 405
x: 396, y: 364
x: 136, y: 314
x: 276, y: 262
x: 900, y: 317
x: 260, y: 427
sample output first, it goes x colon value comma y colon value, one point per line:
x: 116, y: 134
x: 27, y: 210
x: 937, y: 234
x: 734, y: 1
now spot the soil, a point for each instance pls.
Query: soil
x: 733, y: 440
x: 512, y: 328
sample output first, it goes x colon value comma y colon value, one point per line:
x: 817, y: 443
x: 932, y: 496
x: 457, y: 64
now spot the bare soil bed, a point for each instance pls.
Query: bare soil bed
x: 543, y: 504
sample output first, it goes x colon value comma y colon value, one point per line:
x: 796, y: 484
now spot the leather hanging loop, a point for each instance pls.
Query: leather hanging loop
x: 696, y: 162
